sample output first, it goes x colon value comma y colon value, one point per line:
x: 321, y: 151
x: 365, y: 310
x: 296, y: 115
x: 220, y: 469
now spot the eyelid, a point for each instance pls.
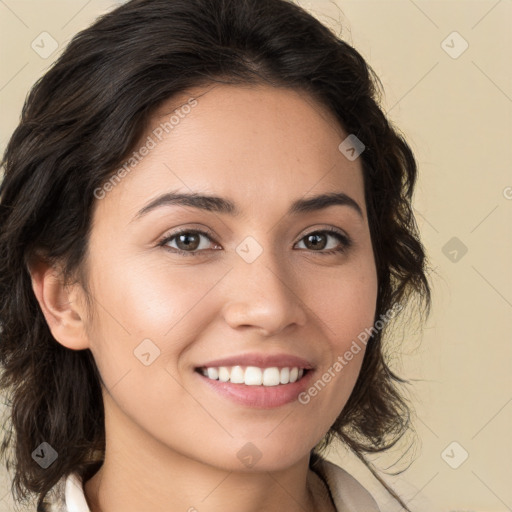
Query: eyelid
x: 200, y: 228
x: 323, y: 229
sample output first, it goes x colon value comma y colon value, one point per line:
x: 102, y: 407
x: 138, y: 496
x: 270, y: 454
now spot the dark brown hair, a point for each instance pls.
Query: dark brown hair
x: 80, y: 122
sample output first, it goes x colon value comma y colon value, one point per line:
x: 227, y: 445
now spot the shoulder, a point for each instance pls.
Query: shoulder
x: 67, y: 495
x: 347, y: 493
x: 55, y: 498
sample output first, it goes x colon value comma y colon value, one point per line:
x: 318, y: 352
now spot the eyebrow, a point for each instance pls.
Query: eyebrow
x: 221, y: 205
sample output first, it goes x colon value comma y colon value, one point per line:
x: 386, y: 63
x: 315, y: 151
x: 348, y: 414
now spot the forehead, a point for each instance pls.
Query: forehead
x: 254, y: 144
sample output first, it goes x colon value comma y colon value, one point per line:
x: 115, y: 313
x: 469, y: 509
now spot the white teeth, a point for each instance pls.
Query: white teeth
x: 271, y: 377
x: 254, y: 376
x: 224, y: 374
x: 212, y: 373
x: 237, y: 375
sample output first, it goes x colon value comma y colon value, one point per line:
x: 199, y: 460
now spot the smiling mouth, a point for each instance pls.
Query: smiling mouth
x: 253, y: 375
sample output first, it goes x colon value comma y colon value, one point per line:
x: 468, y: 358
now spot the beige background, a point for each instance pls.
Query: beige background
x: 456, y: 111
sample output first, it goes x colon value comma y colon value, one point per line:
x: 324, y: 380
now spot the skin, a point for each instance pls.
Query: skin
x: 172, y: 442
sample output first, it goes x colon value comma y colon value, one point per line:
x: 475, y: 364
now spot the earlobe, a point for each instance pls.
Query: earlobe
x: 60, y: 306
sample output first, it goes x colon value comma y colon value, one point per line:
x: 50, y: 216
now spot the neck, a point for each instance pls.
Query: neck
x: 194, y: 489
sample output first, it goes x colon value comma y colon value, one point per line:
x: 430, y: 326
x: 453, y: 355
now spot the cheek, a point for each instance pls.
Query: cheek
x: 153, y: 299
x: 347, y: 314
x: 137, y: 302
x: 347, y: 305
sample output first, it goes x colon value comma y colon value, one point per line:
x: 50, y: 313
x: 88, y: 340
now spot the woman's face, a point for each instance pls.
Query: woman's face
x: 259, y: 289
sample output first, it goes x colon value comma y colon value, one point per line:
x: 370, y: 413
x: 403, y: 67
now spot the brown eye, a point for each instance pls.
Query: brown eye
x: 315, y: 241
x: 318, y: 241
x: 188, y: 242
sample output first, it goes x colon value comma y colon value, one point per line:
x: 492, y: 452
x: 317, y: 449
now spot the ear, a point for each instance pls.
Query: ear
x: 61, y: 305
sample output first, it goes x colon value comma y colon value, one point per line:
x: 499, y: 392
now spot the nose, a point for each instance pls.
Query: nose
x: 264, y: 295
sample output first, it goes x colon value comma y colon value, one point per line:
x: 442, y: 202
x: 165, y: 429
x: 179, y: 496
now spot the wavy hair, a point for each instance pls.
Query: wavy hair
x: 84, y: 117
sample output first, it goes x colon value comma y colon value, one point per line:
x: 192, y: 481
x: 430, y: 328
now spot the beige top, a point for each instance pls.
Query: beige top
x: 347, y: 493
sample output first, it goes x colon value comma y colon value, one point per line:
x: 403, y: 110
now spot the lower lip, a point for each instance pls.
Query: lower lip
x: 261, y: 397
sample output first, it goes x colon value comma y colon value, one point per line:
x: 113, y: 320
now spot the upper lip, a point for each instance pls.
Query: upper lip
x: 261, y: 361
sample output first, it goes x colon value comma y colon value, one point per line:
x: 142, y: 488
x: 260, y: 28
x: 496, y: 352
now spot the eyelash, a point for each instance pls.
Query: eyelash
x: 345, y: 241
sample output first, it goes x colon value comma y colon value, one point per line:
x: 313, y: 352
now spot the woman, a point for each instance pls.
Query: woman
x: 206, y: 225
